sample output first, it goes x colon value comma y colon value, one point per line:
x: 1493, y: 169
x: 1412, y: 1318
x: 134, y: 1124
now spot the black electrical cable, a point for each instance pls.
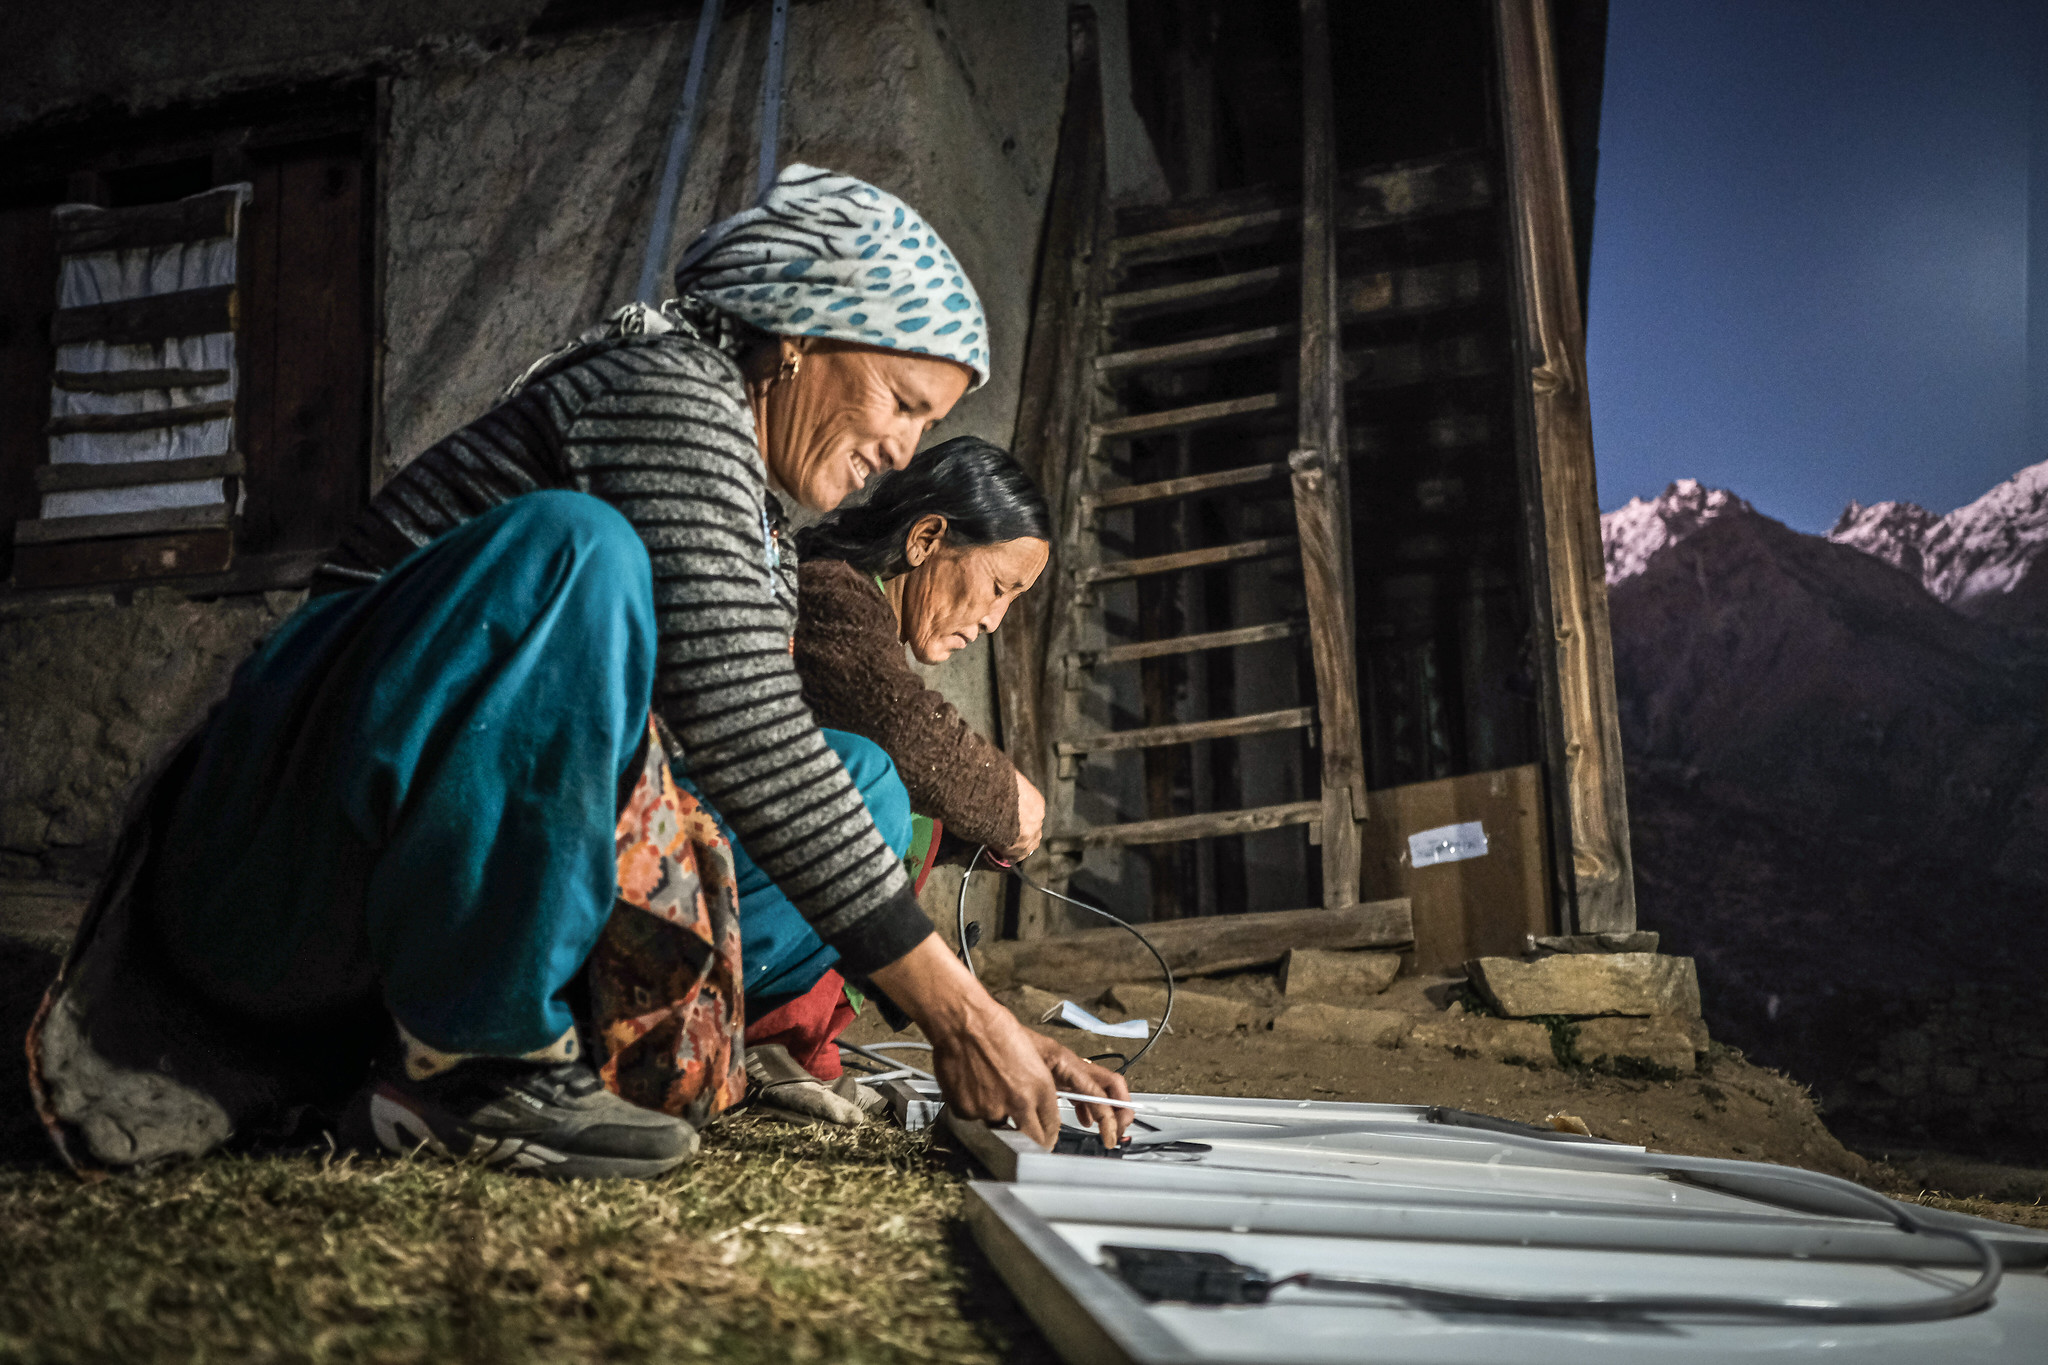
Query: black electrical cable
x: 960, y: 921
x: 1968, y: 1299
x: 960, y: 912
x: 1206, y: 1277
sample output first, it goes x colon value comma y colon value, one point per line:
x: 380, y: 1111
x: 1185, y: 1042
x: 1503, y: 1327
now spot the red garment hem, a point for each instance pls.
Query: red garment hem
x: 809, y: 1026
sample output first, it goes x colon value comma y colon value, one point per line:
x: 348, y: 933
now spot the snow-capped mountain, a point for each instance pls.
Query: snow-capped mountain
x: 1984, y: 559
x: 1633, y: 535
x: 1895, y: 532
x: 1987, y: 559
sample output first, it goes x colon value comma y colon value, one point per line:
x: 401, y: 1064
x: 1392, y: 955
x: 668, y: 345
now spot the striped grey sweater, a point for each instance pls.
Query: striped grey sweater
x: 660, y: 428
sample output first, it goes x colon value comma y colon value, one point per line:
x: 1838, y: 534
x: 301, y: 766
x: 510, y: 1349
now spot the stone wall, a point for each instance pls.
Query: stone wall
x: 1960, y: 1064
x: 91, y: 696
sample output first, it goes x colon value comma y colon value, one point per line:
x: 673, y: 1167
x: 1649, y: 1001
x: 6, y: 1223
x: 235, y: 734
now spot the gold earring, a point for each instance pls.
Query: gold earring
x: 791, y: 363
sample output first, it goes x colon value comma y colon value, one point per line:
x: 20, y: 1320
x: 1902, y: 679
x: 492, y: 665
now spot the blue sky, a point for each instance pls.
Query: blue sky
x: 1809, y: 256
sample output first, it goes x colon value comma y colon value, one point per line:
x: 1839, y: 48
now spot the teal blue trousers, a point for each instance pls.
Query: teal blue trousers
x: 408, y: 797
x: 781, y: 956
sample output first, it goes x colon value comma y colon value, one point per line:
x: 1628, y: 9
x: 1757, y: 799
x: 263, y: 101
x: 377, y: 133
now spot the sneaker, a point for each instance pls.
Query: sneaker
x: 554, y: 1120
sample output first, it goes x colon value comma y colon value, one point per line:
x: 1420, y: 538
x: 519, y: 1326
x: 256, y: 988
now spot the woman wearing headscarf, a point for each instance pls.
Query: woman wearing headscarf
x: 466, y: 784
x: 930, y: 558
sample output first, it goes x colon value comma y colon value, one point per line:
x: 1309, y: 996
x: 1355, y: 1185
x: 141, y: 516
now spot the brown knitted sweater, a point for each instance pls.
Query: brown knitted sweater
x: 856, y: 678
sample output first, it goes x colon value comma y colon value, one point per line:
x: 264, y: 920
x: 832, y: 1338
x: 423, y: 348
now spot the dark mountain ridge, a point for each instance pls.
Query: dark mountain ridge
x: 1838, y: 781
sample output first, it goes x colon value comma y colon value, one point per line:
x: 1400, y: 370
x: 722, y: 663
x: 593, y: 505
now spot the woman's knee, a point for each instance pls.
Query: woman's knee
x: 588, y: 527
x: 880, y: 785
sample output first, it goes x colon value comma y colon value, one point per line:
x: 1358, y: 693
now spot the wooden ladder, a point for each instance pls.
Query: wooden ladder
x: 1184, y: 406
x: 1247, y: 277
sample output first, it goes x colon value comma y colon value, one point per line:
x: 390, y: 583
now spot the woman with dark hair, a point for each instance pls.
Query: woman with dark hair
x: 930, y: 560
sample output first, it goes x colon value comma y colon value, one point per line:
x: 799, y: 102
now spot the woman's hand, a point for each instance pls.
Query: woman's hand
x: 1030, y: 820
x: 1078, y: 1075
x: 989, y: 1066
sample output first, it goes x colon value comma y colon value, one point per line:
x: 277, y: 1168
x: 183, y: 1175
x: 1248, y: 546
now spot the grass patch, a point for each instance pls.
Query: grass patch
x: 1564, y: 1039
x: 1636, y: 1069
x: 777, y: 1244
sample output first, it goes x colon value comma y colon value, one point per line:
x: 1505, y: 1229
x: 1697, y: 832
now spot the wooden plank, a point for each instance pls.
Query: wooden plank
x: 1475, y: 907
x: 135, y: 381
x: 310, y: 473
x: 1173, y: 829
x: 246, y: 574
x: 1598, y: 879
x: 1192, y: 947
x: 1321, y: 503
x: 126, y: 559
x: 1268, y: 547
x: 1200, y: 351
x: 70, y: 478
x: 1183, y: 487
x: 28, y: 286
x: 292, y: 114
x: 1446, y: 432
x: 77, y: 422
x: 1218, y: 289
x: 1192, y: 239
x: 1187, y: 732
x: 1401, y: 364
x: 1134, y: 220
x: 1188, y: 644
x: 1195, y: 415
x: 1417, y: 289
x: 1051, y: 437
x: 1417, y: 190
x: 186, y: 313
x: 47, y: 530
x: 256, y: 349
x: 81, y: 229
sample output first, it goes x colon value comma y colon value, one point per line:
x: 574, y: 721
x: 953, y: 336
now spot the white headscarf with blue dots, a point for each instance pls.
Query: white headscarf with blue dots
x: 827, y: 255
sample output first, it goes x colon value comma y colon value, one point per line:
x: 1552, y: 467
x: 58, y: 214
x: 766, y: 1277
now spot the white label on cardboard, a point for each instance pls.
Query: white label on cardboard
x: 1447, y: 844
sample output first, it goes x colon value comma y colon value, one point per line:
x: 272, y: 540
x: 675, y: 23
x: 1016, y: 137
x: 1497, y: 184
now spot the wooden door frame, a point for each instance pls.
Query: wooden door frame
x: 1581, y: 713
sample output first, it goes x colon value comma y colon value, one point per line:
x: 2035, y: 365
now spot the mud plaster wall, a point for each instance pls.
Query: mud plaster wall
x: 89, y: 699
x: 519, y: 190
x: 516, y: 200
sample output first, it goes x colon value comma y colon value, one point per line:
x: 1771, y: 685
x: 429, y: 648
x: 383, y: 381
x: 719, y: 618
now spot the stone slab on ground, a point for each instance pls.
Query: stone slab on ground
x: 1336, y: 1024
x: 1336, y: 977
x: 1191, y: 1009
x: 1636, y: 941
x: 1589, y: 983
x: 1661, y: 1040
x: 1497, y: 1040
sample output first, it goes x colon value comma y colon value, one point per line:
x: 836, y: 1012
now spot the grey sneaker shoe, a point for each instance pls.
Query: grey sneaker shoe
x: 557, y: 1121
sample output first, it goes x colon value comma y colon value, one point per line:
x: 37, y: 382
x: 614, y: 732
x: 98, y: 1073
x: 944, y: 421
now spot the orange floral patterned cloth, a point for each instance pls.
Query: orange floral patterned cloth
x: 665, y: 986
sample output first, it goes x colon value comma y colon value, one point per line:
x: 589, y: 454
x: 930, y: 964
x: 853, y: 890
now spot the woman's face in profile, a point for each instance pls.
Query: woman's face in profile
x: 852, y: 412
x: 954, y: 595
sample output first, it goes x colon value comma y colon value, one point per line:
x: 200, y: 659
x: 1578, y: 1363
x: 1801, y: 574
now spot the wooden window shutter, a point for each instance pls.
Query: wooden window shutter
x: 142, y: 476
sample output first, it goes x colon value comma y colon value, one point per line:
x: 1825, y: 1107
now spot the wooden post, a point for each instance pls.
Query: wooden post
x: 1317, y: 463
x: 1599, y: 882
x: 1052, y: 434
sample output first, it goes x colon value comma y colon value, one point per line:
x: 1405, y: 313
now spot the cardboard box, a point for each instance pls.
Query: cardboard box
x: 1467, y: 903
